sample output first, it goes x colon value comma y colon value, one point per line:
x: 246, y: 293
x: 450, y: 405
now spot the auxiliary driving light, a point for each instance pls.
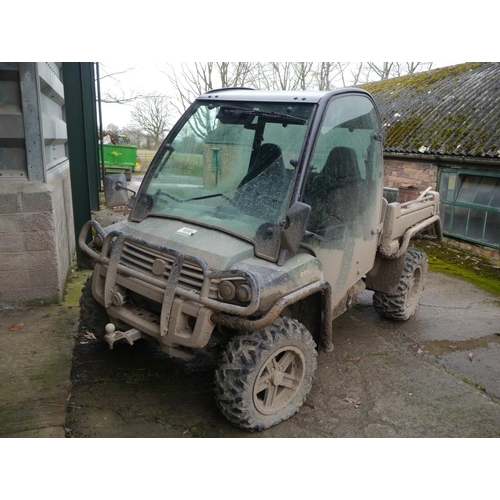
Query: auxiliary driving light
x: 227, y: 290
x: 244, y: 293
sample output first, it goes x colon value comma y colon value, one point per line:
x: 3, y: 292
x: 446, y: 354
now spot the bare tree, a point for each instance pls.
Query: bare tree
x: 324, y: 75
x: 235, y: 74
x: 283, y: 76
x: 115, y: 129
x: 382, y: 70
x: 152, y: 114
x: 191, y: 80
x: 117, y: 95
x: 414, y: 67
x: 386, y: 70
x: 304, y: 75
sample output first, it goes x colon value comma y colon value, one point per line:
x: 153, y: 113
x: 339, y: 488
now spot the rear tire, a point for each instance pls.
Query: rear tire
x: 92, y: 314
x: 264, y: 377
x: 402, y: 305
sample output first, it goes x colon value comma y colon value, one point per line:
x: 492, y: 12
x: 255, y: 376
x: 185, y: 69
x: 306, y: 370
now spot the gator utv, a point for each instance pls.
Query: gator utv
x: 251, y: 255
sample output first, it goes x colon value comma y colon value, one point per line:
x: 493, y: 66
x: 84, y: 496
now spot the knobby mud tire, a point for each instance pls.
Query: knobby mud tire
x: 402, y: 305
x: 92, y: 314
x: 247, y: 365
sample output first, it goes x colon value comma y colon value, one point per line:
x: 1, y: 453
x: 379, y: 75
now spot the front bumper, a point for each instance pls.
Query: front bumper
x: 180, y: 290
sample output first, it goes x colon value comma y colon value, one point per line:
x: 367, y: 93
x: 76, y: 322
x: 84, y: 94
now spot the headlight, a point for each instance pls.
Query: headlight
x: 235, y: 289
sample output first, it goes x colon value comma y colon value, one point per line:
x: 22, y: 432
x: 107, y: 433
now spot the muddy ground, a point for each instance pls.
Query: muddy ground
x: 437, y: 375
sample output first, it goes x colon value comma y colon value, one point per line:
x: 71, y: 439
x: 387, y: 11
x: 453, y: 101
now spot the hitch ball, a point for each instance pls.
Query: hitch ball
x: 110, y: 328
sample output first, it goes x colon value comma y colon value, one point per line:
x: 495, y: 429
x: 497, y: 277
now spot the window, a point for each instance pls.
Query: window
x: 470, y: 205
x: 345, y: 172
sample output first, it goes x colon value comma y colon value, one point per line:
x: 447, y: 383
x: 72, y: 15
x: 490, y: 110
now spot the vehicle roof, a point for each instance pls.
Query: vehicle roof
x: 246, y: 94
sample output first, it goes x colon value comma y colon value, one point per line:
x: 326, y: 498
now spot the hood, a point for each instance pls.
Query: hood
x: 219, y: 250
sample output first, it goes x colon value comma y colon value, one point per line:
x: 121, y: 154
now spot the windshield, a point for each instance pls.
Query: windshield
x: 230, y: 166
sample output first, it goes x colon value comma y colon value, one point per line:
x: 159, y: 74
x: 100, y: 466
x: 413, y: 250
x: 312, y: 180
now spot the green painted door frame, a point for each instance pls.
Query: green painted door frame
x: 81, y: 120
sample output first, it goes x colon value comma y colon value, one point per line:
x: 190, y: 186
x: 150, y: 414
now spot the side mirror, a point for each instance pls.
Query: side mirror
x: 115, y: 190
x: 294, y: 227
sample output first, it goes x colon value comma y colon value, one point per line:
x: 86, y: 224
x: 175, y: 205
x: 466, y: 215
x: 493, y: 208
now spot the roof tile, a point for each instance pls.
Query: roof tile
x: 446, y: 111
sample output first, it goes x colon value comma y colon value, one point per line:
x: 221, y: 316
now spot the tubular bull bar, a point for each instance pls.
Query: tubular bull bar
x: 178, y: 301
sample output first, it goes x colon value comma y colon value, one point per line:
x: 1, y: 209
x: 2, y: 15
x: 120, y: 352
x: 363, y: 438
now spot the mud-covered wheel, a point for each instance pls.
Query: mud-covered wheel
x: 92, y: 314
x: 128, y: 175
x: 402, y: 305
x: 264, y: 377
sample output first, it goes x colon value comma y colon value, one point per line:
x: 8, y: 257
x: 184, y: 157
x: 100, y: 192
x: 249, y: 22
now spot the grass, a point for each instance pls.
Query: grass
x: 181, y: 162
x: 461, y: 264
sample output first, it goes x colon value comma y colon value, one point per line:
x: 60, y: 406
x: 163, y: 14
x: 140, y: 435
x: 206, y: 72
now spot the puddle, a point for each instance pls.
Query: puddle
x: 437, y: 347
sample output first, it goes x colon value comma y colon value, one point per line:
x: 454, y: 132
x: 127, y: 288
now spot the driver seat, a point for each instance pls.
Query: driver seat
x: 334, y: 193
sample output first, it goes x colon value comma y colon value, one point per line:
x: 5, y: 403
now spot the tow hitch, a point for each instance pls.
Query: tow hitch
x: 112, y: 335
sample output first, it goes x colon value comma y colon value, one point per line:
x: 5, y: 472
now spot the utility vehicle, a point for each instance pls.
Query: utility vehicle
x: 258, y: 222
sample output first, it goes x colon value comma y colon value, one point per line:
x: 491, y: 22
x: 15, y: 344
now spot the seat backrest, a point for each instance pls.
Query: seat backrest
x: 333, y: 192
x: 341, y: 167
x: 268, y: 154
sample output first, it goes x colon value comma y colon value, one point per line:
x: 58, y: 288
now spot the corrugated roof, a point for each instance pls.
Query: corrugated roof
x: 448, y: 111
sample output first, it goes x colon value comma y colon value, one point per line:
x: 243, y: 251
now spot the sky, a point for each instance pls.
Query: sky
x: 143, y: 77
x: 139, y: 77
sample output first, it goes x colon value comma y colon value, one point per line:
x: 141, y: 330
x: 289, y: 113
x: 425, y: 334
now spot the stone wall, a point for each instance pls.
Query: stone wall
x: 36, y: 239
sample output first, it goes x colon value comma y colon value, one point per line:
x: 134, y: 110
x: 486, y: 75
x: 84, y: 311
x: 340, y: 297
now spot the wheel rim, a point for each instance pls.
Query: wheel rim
x: 413, y: 287
x: 279, y: 380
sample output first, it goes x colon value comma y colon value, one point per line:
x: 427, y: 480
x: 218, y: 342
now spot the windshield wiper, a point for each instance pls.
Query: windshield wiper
x: 234, y: 112
x: 160, y: 192
x: 206, y: 197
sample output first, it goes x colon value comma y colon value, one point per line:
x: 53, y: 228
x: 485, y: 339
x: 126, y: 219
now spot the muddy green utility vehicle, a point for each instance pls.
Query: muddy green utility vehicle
x: 259, y: 221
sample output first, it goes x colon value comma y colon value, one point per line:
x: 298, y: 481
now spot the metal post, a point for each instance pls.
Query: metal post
x: 30, y: 92
x: 81, y: 122
x: 101, y: 144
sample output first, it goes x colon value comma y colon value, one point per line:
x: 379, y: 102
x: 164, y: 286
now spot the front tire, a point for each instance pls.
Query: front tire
x: 264, y: 377
x: 92, y: 314
x: 402, y: 304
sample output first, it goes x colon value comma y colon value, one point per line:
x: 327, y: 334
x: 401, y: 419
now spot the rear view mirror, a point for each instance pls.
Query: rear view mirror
x: 115, y: 190
x: 294, y: 227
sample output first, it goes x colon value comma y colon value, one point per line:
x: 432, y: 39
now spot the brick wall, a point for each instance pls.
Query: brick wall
x: 231, y: 157
x: 36, y: 239
x: 407, y: 173
x: 489, y: 253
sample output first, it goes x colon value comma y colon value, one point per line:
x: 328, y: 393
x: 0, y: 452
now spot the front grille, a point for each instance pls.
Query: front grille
x: 141, y: 259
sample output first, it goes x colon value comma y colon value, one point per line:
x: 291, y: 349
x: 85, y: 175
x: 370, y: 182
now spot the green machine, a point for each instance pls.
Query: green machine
x: 120, y: 158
